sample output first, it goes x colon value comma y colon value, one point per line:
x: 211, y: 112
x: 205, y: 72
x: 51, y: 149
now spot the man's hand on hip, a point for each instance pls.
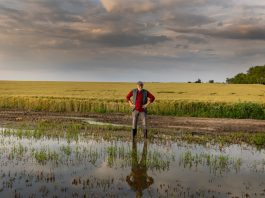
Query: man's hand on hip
x: 144, y: 106
x: 131, y: 104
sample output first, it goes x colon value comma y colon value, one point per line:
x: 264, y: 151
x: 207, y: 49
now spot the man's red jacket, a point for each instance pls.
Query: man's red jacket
x: 138, y: 103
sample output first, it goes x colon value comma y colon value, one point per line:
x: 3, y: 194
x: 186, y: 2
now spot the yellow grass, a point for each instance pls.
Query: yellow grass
x: 162, y: 91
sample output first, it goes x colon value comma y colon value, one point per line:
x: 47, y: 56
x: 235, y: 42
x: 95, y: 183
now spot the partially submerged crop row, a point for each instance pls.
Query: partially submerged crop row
x: 73, y: 131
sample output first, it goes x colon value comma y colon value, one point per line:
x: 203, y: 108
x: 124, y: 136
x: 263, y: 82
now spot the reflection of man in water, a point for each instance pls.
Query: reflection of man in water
x: 138, y: 179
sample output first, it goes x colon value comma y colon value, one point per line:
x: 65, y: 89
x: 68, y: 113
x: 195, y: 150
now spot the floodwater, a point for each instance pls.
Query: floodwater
x: 94, y: 121
x: 88, y: 167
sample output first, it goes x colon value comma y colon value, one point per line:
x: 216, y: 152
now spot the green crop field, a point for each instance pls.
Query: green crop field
x: 180, y: 99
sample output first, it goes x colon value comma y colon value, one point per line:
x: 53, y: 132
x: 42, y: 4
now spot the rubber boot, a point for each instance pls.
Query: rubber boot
x: 134, y: 132
x: 145, y: 133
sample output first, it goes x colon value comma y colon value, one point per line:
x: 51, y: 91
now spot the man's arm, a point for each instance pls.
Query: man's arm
x: 151, y: 99
x: 128, y: 99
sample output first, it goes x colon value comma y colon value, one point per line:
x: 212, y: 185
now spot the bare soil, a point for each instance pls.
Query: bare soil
x: 189, y: 124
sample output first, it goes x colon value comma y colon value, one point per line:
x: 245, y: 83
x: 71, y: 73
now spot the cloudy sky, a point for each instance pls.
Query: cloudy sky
x: 130, y: 40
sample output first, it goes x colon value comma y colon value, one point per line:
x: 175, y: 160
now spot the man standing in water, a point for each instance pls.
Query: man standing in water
x: 139, y: 105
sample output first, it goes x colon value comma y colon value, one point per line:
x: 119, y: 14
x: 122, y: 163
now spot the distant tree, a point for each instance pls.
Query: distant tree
x: 255, y: 75
x: 211, y: 81
x: 198, y: 81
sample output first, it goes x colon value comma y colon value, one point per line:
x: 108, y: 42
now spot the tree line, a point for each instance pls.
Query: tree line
x: 254, y: 75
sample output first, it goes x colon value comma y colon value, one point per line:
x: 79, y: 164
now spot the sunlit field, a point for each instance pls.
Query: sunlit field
x: 162, y: 91
x: 181, y: 99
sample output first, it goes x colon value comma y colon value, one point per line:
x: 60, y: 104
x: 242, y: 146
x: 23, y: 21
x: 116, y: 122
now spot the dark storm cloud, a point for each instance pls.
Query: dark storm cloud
x: 33, y: 12
x: 52, y: 18
x: 46, y: 23
x: 125, y: 40
x: 64, y: 11
x: 220, y: 24
x: 128, y: 35
x: 107, y: 40
x: 12, y: 13
x: 180, y: 46
x: 253, y: 7
x: 234, y: 32
x: 186, y: 20
x: 192, y: 39
x: 251, y: 52
x: 33, y: 23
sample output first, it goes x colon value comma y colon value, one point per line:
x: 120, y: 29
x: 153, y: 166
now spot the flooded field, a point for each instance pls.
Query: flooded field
x: 69, y: 163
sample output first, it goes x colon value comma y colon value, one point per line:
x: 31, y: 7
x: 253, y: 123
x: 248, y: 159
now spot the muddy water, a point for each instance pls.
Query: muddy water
x: 86, y: 167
